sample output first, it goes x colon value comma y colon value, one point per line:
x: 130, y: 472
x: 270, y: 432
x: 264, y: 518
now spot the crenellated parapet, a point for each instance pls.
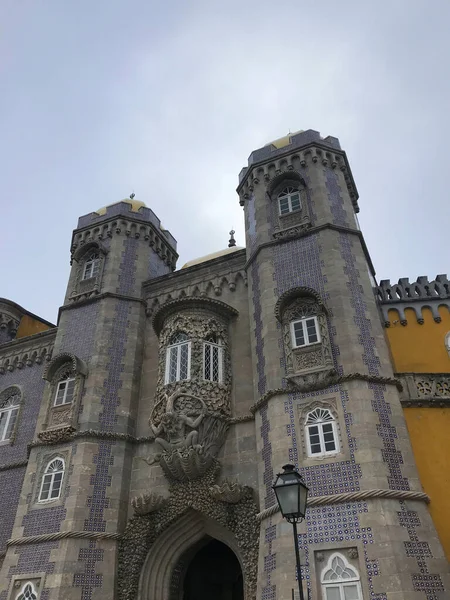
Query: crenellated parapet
x: 416, y: 295
x: 290, y: 155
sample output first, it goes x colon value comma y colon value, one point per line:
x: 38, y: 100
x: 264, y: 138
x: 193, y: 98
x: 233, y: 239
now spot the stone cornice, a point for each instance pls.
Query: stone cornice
x: 326, y: 382
x: 425, y: 389
x: 14, y: 465
x: 27, y: 351
x: 311, y: 231
x: 74, y: 306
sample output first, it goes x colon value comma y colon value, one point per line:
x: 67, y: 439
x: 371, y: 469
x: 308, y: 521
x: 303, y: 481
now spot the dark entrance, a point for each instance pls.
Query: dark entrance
x: 214, y: 573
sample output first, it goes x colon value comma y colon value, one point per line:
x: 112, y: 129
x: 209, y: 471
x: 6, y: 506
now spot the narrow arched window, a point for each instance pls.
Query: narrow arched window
x: 178, y: 358
x: 340, y: 580
x: 91, y: 266
x: 9, y: 409
x: 289, y: 200
x: 321, y: 435
x: 213, y: 359
x: 28, y: 592
x: 52, y: 480
x: 64, y: 391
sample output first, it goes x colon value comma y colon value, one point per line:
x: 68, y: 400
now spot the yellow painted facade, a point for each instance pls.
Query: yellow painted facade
x: 30, y: 326
x: 421, y: 348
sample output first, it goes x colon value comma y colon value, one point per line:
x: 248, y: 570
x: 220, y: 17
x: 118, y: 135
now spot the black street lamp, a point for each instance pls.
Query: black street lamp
x: 292, y: 496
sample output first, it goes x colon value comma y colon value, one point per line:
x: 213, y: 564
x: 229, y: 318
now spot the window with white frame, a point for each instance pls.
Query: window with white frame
x: 64, y: 391
x: 91, y: 266
x: 340, y: 580
x: 178, y: 358
x: 321, y: 434
x: 52, y: 480
x: 28, y: 592
x: 8, y: 416
x: 213, y: 359
x: 305, y: 332
x: 289, y: 200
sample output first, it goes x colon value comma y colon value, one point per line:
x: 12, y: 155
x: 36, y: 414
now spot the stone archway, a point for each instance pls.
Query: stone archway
x: 167, y: 560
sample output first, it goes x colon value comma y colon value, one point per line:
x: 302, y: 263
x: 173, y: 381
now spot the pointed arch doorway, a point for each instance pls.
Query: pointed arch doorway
x: 209, y: 570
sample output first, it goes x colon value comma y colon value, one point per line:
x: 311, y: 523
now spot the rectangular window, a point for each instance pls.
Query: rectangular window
x: 322, y: 439
x: 64, y: 392
x: 305, y: 332
x: 91, y: 268
x: 212, y: 362
x: 295, y: 202
x: 178, y: 362
x: 7, y: 423
x: 284, y: 206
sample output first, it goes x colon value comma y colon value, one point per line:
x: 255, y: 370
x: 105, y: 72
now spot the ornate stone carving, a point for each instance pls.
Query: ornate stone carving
x: 292, y: 231
x: 27, y: 351
x: 429, y: 388
x: 188, y: 438
x: 313, y: 381
x: 230, y: 492
x: 352, y: 553
x: 147, y: 503
x: 320, y: 556
x: 55, y: 436
x: 143, y: 530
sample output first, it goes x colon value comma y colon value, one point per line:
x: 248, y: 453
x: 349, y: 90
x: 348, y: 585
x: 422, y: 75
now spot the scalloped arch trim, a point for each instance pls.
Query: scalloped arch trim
x: 285, y: 176
x: 81, y: 252
x: 298, y: 292
x: 78, y: 365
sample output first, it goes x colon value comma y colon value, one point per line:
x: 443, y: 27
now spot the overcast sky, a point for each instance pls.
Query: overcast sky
x: 167, y: 99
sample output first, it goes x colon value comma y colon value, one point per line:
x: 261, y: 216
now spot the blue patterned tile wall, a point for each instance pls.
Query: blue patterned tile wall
x: 10, y: 487
x: 127, y: 274
x: 89, y: 580
x: 423, y: 581
x: 340, y: 216
x: 269, y: 591
x: 79, y: 330
x: 251, y: 223
x: 266, y: 453
x: 257, y: 318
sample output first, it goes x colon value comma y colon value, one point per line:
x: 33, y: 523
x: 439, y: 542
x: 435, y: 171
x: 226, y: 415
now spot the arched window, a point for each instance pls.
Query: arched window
x: 340, y: 581
x: 28, y: 592
x: 321, y: 435
x: 64, y: 391
x: 91, y: 266
x: 305, y: 332
x: 178, y: 358
x: 213, y: 359
x: 52, y: 480
x: 289, y: 200
x: 9, y: 409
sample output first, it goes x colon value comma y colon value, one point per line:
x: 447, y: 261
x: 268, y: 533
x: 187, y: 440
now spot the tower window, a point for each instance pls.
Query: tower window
x: 289, y: 200
x: 52, y: 481
x: 340, y: 581
x: 321, y: 433
x: 91, y: 266
x: 305, y: 332
x: 8, y: 417
x: 64, y: 391
x: 178, y: 358
x: 213, y: 360
x: 28, y: 592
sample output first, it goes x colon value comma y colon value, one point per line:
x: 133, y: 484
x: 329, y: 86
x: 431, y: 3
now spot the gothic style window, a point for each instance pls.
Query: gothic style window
x: 321, y: 435
x: 213, y: 359
x: 305, y: 332
x: 27, y: 593
x: 91, y: 266
x: 178, y: 358
x: 289, y: 200
x: 52, y: 480
x: 9, y: 409
x: 340, y: 581
x: 64, y: 391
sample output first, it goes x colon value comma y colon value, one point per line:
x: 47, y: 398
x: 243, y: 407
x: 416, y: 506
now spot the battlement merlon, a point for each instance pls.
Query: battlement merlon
x: 419, y: 290
x: 326, y: 150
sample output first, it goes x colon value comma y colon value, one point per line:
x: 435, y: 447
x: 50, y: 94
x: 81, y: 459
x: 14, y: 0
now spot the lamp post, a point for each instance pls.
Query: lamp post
x: 292, y: 495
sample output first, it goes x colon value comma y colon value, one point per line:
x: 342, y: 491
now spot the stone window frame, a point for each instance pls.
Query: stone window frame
x: 178, y: 345
x: 340, y: 583
x: 92, y: 285
x: 352, y: 549
x: 43, y: 461
x: 306, y: 334
x: 19, y: 582
x: 52, y: 474
x: 5, y: 395
x: 294, y: 305
x: 64, y: 367
x: 303, y: 410
x: 292, y: 219
x: 287, y: 193
x: 307, y: 426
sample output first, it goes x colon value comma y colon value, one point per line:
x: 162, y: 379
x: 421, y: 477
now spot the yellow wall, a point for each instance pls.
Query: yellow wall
x: 30, y: 326
x: 419, y: 348
x: 429, y: 432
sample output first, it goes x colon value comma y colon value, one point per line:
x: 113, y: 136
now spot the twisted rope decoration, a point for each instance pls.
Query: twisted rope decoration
x: 52, y: 537
x: 352, y: 497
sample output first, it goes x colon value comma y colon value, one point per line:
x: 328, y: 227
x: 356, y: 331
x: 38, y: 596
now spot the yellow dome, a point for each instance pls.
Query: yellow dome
x: 202, y: 259
x: 135, y: 205
x: 284, y: 141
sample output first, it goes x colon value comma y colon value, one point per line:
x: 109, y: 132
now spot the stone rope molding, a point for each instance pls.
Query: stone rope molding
x: 328, y: 382
x: 51, y: 537
x: 14, y: 465
x: 352, y: 497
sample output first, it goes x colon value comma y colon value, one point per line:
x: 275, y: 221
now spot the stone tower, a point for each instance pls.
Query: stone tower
x: 307, y: 263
